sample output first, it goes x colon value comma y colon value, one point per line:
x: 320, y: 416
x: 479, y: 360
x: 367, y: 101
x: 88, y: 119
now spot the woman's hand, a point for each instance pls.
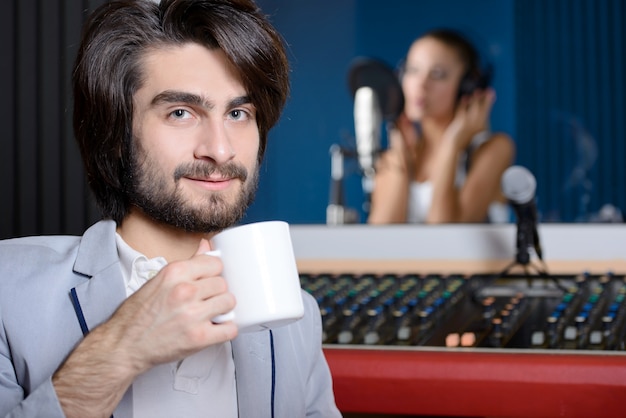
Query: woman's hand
x: 471, y: 117
x: 404, y: 140
x: 394, y: 171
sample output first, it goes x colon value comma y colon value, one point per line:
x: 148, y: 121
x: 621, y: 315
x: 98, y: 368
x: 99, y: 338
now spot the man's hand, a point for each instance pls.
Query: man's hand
x: 167, y: 319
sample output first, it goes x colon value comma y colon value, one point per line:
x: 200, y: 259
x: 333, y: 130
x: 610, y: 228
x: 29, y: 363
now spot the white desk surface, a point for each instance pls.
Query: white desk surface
x: 471, y: 247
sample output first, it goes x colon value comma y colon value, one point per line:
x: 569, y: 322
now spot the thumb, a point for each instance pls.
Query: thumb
x: 395, y: 139
x: 203, y: 247
x: 410, y: 131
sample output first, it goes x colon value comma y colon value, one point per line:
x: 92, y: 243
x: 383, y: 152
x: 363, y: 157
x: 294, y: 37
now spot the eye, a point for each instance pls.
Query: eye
x: 438, y: 74
x: 238, y: 114
x: 180, y: 114
x: 410, y: 70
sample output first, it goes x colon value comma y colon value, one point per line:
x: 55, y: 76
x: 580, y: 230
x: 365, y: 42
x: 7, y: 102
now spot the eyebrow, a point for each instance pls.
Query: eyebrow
x: 173, y: 96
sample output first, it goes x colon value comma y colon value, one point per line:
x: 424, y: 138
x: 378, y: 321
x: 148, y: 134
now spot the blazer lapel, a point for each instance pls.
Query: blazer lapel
x: 253, y: 371
x: 104, y: 290
x: 97, y: 259
x: 101, y: 295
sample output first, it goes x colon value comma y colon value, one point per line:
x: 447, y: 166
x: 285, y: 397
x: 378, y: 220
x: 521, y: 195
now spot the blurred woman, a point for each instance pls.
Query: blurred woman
x: 443, y: 163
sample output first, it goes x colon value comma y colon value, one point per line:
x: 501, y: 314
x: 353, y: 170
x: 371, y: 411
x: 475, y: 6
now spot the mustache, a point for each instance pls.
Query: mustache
x: 204, y: 169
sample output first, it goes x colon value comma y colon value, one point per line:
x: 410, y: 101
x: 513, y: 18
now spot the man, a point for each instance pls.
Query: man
x: 173, y: 104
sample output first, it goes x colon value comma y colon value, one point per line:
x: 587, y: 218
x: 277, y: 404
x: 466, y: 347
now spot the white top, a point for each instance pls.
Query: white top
x: 201, y: 385
x: 421, y: 193
x: 420, y: 197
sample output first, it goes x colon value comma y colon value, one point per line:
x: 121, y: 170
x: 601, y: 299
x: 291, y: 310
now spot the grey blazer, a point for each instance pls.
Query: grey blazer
x: 39, y: 328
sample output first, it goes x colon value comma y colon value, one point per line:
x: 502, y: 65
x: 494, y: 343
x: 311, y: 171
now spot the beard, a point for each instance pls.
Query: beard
x: 149, y: 189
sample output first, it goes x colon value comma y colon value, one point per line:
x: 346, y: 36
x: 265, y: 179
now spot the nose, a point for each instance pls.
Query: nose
x: 415, y: 82
x: 214, y: 142
x: 421, y: 80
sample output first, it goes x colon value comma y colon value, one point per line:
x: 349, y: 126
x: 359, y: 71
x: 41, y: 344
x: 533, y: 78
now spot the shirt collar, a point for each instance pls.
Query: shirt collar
x: 136, y: 267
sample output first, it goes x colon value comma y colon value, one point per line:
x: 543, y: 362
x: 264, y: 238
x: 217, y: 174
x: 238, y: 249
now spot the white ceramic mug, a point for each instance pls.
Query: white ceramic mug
x: 260, y: 269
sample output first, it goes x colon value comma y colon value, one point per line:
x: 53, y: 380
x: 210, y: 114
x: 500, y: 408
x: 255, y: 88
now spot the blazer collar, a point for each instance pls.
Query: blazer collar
x: 97, y: 249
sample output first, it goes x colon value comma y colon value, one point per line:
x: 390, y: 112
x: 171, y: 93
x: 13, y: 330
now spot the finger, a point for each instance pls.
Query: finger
x: 224, y: 331
x: 491, y: 94
x: 487, y: 95
x: 221, y: 305
x: 395, y: 139
x: 490, y: 97
x: 464, y: 102
x: 198, y: 267
x: 484, y: 102
x: 210, y: 301
x: 210, y: 288
x: 409, y: 132
x: 203, y: 247
x: 203, y: 298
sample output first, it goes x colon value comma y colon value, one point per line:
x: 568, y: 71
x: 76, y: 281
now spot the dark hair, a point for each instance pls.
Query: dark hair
x: 108, y: 73
x: 477, y: 75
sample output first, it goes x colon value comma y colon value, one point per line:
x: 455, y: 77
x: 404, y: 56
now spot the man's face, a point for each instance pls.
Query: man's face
x: 196, y: 140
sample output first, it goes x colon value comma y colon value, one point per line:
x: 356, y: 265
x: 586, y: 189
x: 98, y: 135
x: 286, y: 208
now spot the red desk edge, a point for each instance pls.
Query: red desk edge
x: 478, y: 383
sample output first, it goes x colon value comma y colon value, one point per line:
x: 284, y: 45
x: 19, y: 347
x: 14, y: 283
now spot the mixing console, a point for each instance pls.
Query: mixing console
x: 573, y: 312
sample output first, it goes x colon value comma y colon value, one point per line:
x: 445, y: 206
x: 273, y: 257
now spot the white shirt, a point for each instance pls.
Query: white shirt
x: 421, y: 196
x: 421, y: 193
x: 201, y: 385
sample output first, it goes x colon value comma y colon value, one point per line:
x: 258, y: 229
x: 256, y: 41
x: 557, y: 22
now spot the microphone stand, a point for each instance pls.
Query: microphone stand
x: 527, y: 237
x: 336, y: 211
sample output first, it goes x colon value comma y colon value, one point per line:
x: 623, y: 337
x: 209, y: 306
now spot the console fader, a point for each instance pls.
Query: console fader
x: 577, y: 312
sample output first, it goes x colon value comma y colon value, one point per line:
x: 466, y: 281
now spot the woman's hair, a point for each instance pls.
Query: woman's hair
x: 476, y: 75
x: 108, y: 72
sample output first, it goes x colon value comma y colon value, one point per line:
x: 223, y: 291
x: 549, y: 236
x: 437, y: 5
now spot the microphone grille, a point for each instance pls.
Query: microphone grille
x: 518, y: 184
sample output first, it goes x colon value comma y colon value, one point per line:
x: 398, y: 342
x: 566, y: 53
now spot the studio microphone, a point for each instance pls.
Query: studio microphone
x: 368, y: 119
x: 519, y: 186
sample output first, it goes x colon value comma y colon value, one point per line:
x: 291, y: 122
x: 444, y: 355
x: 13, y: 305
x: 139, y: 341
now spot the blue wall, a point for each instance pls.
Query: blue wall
x: 536, y: 67
x: 571, y: 104
x: 296, y: 171
x: 323, y: 38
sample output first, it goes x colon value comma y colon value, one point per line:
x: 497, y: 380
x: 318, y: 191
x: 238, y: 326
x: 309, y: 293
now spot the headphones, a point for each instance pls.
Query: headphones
x: 479, y: 73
